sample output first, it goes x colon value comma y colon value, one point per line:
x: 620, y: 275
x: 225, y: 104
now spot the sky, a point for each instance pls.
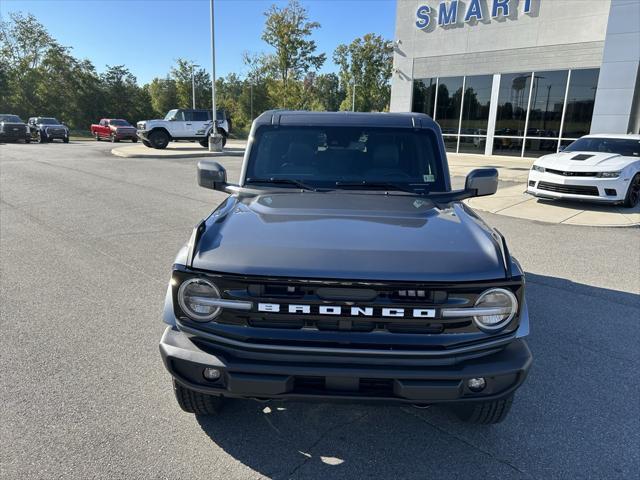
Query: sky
x: 148, y: 35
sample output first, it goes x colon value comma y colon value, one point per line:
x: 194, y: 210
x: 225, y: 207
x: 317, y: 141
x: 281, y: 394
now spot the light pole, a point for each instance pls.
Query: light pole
x: 193, y: 86
x: 215, y: 139
x: 353, y: 98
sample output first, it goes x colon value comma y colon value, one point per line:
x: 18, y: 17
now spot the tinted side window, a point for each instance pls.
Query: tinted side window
x: 200, y: 116
x: 184, y: 116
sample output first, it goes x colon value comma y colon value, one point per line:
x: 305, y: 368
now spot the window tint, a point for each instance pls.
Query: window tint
x: 547, y: 101
x: 580, y: 100
x: 201, y: 116
x: 475, y: 109
x: 621, y: 146
x: 48, y: 121
x: 187, y: 115
x: 513, y: 97
x: 323, y: 155
x: 10, y: 118
x: 424, y: 96
x: 449, y: 99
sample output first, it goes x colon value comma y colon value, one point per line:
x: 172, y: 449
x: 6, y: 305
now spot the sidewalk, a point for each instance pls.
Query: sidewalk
x: 178, y: 150
x: 511, y: 201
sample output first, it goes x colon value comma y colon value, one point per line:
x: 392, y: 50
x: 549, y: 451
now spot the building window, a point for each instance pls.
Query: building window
x: 448, y: 104
x: 513, y: 99
x: 424, y: 96
x: 580, y: 100
x: 547, y: 102
x: 475, y: 114
x: 536, y: 113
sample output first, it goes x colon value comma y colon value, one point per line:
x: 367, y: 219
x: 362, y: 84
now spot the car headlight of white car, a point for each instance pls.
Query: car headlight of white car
x: 537, y: 168
x: 608, y: 174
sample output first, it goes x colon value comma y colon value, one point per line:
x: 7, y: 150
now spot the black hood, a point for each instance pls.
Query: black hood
x: 351, y: 236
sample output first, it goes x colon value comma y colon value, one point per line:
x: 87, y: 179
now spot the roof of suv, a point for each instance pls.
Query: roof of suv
x: 381, y: 119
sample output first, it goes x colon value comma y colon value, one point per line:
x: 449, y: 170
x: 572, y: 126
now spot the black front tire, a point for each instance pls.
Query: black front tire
x: 134, y: 139
x: 65, y: 139
x: 27, y: 140
x: 159, y: 139
x: 204, y: 143
x: 195, y: 402
x: 633, y: 192
x: 41, y: 138
x: 97, y: 137
x: 146, y: 143
x: 484, y: 413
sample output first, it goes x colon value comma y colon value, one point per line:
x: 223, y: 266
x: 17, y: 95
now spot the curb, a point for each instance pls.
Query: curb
x: 118, y: 153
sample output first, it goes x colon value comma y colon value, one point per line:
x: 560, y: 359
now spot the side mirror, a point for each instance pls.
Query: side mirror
x: 212, y: 175
x: 482, y: 182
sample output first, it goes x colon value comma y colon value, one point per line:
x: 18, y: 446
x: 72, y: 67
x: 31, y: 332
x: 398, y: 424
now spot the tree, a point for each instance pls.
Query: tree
x: 120, y: 88
x: 288, y: 30
x: 328, y: 92
x: 162, y: 92
x: 181, y: 74
x: 367, y: 63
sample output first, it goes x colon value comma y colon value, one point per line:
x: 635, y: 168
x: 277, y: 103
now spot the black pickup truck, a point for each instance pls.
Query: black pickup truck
x: 343, y: 266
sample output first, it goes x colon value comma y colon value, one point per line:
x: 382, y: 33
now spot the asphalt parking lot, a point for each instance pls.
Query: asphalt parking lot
x: 87, y: 241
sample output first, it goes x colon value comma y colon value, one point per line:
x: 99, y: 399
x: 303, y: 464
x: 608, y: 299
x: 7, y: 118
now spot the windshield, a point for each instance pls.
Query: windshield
x: 119, y: 123
x: 170, y: 114
x: 347, y: 157
x: 10, y: 118
x: 48, y: 121
x: 621, y: 146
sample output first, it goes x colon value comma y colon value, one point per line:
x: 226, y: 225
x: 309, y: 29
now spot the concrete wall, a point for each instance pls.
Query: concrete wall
x: 617, y: 105
x: 557, y: 34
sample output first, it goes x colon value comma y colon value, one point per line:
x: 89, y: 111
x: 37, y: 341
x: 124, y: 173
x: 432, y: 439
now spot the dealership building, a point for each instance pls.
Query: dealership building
x: 518, y: 77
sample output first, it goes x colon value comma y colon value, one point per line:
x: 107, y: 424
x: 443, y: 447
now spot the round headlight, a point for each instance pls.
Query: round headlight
x: 196, y: 297
x: 501, y: 306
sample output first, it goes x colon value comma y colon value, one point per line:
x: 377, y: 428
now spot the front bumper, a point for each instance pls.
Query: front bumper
x: 504, y: 371
x: 13, y: 136
x: 126, y: 135
x: 605, y: 190
x: 56, y: 135
x: 142, y: 134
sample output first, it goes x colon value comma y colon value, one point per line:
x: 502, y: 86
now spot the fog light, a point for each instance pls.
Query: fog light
x: 476, y: 384
x: 211, y: 373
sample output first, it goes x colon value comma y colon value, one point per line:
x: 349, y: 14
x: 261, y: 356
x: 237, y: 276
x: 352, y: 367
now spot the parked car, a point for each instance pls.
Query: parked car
x: 12, y: 129
x: 597, y: 168
x: 46, y: 129
x: 343, y: 266
x: 182, y: 124
x: 114, y: 129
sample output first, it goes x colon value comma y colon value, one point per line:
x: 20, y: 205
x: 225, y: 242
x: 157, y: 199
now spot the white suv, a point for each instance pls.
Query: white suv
x: 182, y: 124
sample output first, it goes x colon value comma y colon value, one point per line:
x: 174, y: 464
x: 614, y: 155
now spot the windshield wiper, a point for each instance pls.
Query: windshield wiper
x: 285, y: 181
x: 387, y: 185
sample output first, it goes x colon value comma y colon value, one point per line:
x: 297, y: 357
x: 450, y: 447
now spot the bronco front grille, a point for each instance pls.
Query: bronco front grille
x: 362, y: 321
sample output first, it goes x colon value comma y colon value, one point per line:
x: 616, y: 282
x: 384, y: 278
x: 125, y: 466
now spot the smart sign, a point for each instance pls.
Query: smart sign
x: 450, y: 13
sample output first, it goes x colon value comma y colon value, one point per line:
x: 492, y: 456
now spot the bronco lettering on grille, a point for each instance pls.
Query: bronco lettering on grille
x: 347, y: 311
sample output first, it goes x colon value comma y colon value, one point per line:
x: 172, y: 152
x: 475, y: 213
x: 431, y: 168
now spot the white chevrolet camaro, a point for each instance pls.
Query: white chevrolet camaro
x: 600, y: 168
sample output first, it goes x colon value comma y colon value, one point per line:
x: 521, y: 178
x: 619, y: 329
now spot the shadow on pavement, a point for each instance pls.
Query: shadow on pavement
x: 576, y: 416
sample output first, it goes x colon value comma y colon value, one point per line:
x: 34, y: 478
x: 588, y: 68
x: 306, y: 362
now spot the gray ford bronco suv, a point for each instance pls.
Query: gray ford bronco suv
x: 343, y: 266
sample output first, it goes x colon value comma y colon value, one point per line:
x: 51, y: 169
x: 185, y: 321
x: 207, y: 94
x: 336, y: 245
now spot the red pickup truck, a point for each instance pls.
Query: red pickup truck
x: 114, y: 129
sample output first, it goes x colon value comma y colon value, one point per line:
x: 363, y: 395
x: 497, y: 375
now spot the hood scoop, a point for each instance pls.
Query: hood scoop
x: 581, y: 156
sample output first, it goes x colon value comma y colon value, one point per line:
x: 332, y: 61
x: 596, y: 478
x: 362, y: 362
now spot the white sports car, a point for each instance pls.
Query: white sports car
x: 600, y: 168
